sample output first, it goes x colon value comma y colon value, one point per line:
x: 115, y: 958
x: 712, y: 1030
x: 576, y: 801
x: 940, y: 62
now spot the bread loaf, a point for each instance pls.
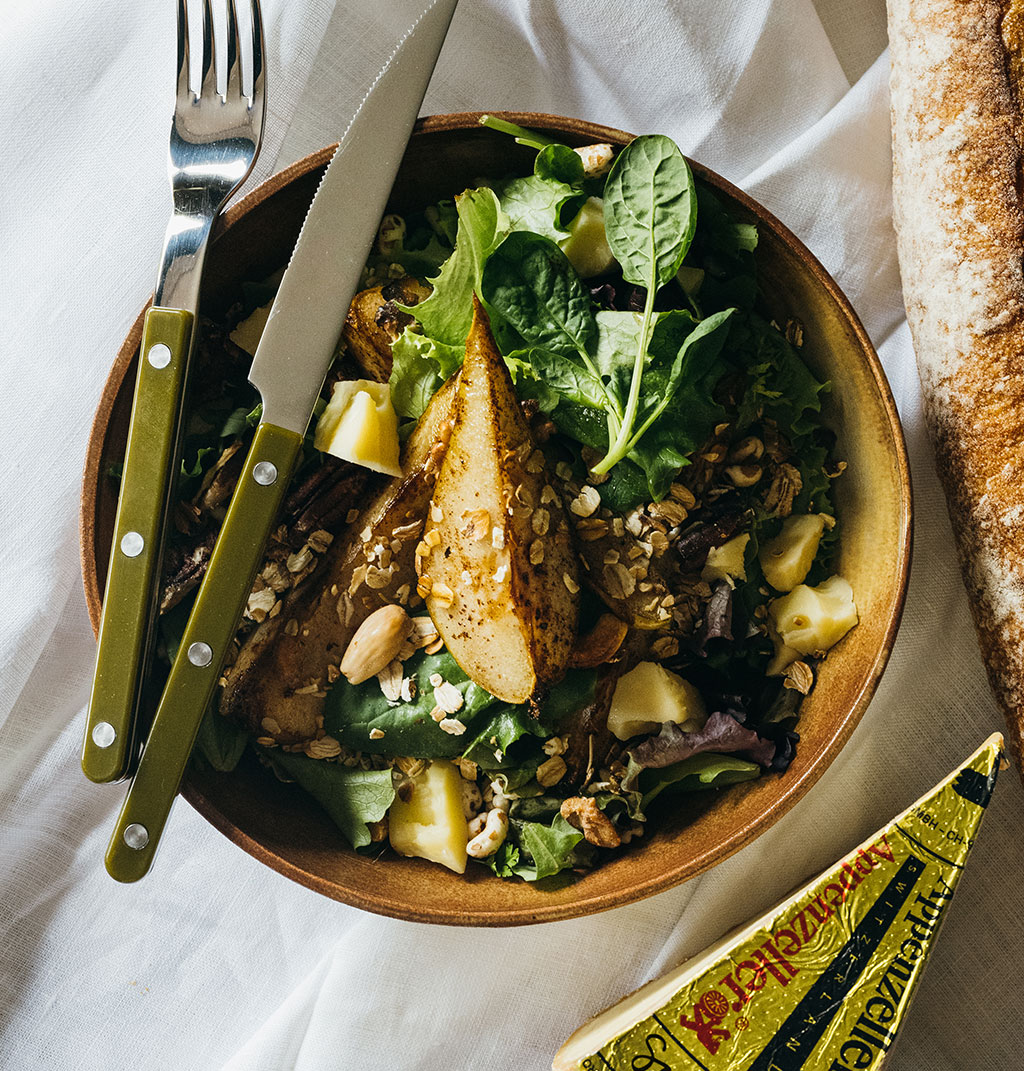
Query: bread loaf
x: 956, y: 78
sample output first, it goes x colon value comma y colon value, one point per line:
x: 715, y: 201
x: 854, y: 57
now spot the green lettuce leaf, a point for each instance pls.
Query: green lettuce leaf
x: 446, y: 314
x: 420, y: 365
x: 351, y: 796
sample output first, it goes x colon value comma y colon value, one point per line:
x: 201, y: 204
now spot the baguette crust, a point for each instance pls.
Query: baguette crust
x: 960, y: 230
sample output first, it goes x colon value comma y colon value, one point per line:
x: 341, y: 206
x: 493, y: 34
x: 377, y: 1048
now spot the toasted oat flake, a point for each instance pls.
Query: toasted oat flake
x: 376, y: 734
x: 535, y: 463
x: 352, y: 516
x: 452, y: 726
x: 621, y: 584
x: 269, y: 725
x: 448, y: 697
x: 540, y: 521
x: 571, y: 586
x: 591, y: 529
x: 442, y: 594
x: 548, y: 495
x: 424, y: 586
x: 563, y: 470
x: 320, y: 540
x: 537, y: 552
x: 324, y: 748
x: 587, y: 502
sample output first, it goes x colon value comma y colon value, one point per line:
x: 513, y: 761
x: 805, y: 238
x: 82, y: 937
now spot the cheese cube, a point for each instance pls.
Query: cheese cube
x: 249, y: 331
x: 648, y: 696
x: 360, y: 425
x: 787, y: 559
x: 586, y: 246
x: 726, y: 562
x: 432, y: 825
x: 811, y: 620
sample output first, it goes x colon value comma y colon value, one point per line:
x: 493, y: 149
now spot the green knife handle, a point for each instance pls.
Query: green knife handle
x: 211, y: 627
x: 134, y: 570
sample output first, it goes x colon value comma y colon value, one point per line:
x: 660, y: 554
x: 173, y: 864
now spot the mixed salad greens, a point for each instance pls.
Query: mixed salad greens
x: 675, y: 417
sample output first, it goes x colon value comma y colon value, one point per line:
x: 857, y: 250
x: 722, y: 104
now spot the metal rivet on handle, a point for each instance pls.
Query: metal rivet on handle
x: 103, y: 734
x: 132, y: 544
x: 264, y: 473
x: 136, y: 836
x: 200, y: 654
x: 159, y: 356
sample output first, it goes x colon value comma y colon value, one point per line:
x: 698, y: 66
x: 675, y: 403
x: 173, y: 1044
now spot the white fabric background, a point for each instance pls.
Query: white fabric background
x: 216, y: 962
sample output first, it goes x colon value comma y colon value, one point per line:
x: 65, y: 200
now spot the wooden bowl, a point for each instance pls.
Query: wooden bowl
x: 287, y: 830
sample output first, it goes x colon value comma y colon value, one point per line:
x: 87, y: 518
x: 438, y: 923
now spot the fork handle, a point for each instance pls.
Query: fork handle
x: 197, y: 665
x: 133, y: 573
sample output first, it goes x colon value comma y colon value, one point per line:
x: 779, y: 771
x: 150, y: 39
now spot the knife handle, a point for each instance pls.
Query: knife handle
x: 133, y: 573
x: 197, y: 665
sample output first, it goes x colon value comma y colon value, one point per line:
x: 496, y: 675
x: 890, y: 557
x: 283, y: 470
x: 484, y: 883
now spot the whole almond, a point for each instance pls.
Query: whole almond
x: 376, y: 643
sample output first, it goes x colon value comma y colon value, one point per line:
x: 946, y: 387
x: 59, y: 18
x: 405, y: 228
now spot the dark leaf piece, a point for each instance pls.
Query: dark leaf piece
x: 717, y: 623
x: 695, y: 542
x: 721, y: 733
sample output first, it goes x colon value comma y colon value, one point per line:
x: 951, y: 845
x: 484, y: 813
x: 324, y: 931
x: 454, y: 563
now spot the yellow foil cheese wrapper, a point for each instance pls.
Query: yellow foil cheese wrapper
x: 823, y: 980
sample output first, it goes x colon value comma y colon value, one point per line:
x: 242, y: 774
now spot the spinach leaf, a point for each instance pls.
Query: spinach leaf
x: 352, y: 712
x: 559, y: 163
x: 650, y: 210
x: 561, y: 377
x: 529, y: 281
x: 446, y: 314
x: 221, y: 741
x: 351, y: 796
x: 545, y: 202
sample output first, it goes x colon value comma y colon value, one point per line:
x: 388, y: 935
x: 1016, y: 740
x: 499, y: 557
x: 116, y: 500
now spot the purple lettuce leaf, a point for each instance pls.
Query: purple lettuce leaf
x: 721, y: 733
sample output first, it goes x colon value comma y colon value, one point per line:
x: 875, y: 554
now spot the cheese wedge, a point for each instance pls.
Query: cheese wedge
x: 823, y: 980
x: 648, y: 696
x: 432, y: 824
x: 360, y: 425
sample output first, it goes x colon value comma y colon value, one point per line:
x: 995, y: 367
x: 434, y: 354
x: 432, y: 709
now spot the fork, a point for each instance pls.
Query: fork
x: 215, y: 138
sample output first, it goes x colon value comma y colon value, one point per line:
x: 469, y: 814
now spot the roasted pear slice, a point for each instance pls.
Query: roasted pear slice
x: 499, y: 573
x: 278, y: 682
x: 374, y: 321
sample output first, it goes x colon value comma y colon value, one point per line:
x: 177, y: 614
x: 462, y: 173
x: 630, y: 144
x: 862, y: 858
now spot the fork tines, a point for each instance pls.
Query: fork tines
x: 208, y: 68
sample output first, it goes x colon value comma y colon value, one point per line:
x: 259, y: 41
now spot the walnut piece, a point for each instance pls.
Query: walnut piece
x: 584, y: 814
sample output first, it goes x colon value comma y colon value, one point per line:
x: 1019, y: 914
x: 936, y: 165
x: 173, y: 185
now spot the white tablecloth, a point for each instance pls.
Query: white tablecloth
x: 215, y: 961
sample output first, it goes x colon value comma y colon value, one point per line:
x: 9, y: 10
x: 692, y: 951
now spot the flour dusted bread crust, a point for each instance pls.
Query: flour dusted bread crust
x: 957, y: 180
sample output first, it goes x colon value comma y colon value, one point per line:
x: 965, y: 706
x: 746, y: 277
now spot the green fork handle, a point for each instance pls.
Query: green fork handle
x: 129, y: 601
x: 208, y: 634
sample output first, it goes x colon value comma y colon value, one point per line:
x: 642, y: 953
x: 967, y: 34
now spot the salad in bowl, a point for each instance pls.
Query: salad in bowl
x: 561, y: 550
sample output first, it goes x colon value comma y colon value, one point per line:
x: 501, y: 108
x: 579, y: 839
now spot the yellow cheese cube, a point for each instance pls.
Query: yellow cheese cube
x: 360, y: 425
x: 432, y: 825
x: 811, y: 620
x: 787, y: 559
x: 587, y: 246
x: 248, y: 333
x: 648, y: 696
x: 726, y: 562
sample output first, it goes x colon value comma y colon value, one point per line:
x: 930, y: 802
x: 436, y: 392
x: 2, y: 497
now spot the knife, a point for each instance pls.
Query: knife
x: 289, y: 368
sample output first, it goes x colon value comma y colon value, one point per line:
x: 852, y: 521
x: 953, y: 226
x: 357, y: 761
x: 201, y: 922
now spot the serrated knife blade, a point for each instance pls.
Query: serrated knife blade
x: 307, y: 316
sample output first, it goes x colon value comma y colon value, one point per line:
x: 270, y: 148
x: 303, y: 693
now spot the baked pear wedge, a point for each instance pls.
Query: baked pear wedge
x: 278, y: 683
x: 498, y: 570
